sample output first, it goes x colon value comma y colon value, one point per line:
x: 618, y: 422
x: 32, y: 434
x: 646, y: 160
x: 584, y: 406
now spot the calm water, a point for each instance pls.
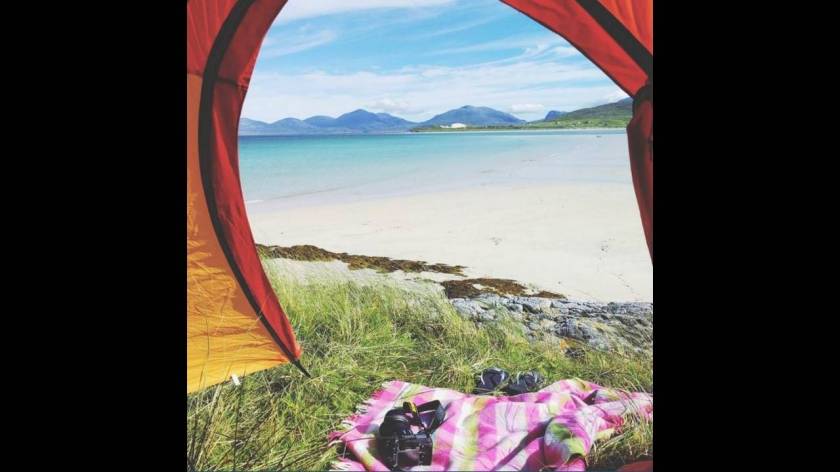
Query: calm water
x: 299, y: 170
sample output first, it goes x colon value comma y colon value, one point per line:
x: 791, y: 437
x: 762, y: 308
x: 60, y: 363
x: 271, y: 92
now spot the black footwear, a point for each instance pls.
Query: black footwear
x: 523, y: 383
x: 489, y: 380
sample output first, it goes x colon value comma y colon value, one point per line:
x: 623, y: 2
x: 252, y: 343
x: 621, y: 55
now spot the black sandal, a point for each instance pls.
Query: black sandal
x: 489, y: 381
x: 525, y: 382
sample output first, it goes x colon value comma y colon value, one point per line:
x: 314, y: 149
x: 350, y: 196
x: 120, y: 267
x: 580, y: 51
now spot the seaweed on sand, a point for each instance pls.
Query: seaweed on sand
x: 381, y: 264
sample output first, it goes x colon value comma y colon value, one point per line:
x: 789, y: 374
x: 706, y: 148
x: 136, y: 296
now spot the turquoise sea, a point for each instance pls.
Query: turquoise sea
x: 281, y: 171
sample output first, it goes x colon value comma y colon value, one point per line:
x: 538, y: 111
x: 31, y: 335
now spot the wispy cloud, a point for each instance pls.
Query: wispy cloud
x: 463, y: 26
x: 391, y: 105
x: 540, y: 42
x: 417, y: 58
x: 290, y: 44
x: 526, y: 108
x: 299, y: 9
x: 418, y: 92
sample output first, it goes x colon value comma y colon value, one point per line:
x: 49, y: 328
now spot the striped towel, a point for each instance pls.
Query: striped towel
x: 553, y: 428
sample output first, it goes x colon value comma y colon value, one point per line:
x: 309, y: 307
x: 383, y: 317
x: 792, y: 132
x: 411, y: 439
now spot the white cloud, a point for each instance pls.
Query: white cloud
x: 298, y: 9
x: 419, y: 92
x: 390, y: 105
x: 526, y: 108
x: 615, y: 96
x: 532, y: 44
x: 461, y: 27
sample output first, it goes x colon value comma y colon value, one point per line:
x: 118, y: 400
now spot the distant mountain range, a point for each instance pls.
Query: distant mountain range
x: 553, y: 115
x: 475, y: 116
x: 620, y: 109
x: 359, y: 121
x: 363, y: 121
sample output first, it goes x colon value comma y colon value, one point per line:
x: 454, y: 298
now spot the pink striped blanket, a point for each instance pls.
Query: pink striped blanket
x: 552, y: 429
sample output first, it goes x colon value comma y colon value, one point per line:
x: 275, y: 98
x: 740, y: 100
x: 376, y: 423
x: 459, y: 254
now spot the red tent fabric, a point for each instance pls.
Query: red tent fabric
x: 235, y: 323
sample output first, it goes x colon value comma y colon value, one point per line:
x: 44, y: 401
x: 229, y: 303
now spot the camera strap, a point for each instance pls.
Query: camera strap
x: 437, y: 419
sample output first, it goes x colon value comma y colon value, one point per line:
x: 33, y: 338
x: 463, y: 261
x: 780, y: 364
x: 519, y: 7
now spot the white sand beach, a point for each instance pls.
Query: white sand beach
x: 581, y: 239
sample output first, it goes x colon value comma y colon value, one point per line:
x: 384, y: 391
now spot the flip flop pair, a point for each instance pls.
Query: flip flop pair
x: 495, y: 379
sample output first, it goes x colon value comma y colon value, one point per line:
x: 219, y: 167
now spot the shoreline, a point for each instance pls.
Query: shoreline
x: 468, y: 130
x: 425, y: 132
x: 582, y: 240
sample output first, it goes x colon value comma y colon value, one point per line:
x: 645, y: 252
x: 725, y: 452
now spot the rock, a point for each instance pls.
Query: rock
x: 574, y: 329
x: 628, y: 320
x: 575, y: 307
x: 560, y: 308
x: 486, y: 316
x: 534, y: 304
x: 514, y: 307
x: 489, y: 300
x: 467, y: 307
x: 531, y: 308
x: 618, y: 327
x: 554, y: 315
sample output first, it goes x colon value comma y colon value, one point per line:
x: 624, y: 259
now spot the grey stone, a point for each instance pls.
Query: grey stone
x: 554, y: 315
x: 514, y: 307
x: 486, y: 316
x: 489, y: 300
x: 467, y: 307
x: 619, y: 327
x: 534, y: 304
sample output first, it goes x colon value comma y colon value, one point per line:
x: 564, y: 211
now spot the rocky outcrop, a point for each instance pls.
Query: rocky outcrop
x: 620, y: 327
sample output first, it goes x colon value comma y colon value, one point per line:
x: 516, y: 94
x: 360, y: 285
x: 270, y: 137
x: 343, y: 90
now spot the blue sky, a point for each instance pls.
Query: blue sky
x: 415, y: 59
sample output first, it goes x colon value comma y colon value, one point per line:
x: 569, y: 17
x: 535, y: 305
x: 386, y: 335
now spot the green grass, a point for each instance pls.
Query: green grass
x: 560, y: 123
x: 355, y: 337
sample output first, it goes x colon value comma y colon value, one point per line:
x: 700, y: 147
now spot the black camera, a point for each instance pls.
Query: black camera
x: 399, y: 445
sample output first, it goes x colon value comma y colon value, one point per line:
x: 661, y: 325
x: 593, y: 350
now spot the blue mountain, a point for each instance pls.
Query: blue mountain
x: 355, y: 122
x: 365, y: 121
x: 476, y: 116
x: 248, y: 126
x: 292, y: 126
x: 320, y: 121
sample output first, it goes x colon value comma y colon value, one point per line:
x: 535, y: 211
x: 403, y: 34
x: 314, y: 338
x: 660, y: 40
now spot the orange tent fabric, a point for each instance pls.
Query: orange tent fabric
x: 235, y: 324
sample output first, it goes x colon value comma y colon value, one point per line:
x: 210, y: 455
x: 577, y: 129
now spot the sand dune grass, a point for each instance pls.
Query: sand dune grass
x: 355, y: 337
